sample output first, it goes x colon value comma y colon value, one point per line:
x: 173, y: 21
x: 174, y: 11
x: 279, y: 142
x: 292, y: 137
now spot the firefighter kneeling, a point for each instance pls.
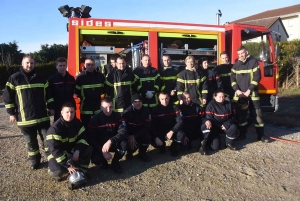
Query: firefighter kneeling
x: 138, y: 119
x: 166, y: 125
x: 220, y: 119
x: 69, y: 151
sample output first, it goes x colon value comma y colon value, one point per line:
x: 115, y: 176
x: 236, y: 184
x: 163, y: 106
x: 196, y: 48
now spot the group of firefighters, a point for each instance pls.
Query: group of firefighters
x: 140, y: 107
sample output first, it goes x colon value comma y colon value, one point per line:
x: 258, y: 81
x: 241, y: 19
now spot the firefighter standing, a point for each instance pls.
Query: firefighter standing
x: 224, y: 71
x: 193, y: 114
x: 66, y: 139
x: 89, y: 88
x: 168, y: 76
x: 24, y: 98
x: 212, y: 78
x: 112, y: 66
x: 107, y: 132
x: 193, y: 81
x: 138, y: 119
x: 148, y: 82
x: 245, y: 77
x: 62, y: 86
x: 119, y: 84
x: 166, y: 125
x: 219, y: 119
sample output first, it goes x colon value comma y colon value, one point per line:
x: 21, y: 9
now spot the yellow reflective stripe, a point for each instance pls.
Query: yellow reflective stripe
x: 148, y: 79
x: 50, y: 100
x: 245, y: 71
x: 179, y: 92
x: 255, y: 98
x: 28, y: 86
x: 82, y: 141
x: 204, y: 91
x: 9, y: 105
x: 108, y: 83
x: 243, y: 124
x: 77, y: 87
x: 254, y: 82
x: 22, y: 113
x: 233, y: 83
x: 153, y: 105
x: 192, y: 81
x: 81, y: 130
x: 34, y: 121
x: 119, y: 110
x: 10, y: 85
x: 61, y: 158
x: 202, y: 79
x: 259, y: 125
x: 88, y: 86
x: 55, y: 137
x: 169, y: 78
x: 139, y: 87
x: 87, y: 112
x: 47, y: 84
x: 50, y: 157
x: 163, y: 87
x: 157, y: 87
x: 225, y: 74
x: 122, y: 83
x: 176, y: 102
x: 33, y: 153
x: 97, y: 111
x: 180, y: 80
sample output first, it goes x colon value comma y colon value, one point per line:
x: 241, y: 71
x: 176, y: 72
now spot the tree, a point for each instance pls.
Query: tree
x: 9, y: 54
x: 290, y: 61
x: 50, y: 53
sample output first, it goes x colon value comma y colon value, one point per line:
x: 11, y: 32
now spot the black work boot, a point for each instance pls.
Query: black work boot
x: 203, y: 149
x: 35, y: 162
x: 260, y: 135
x: 103, y: 165
x: 142, y: 153
x: 162, y: 149
x: 230, y: 144
x: 174, y: 148
x: 115, y: 162
x: 129, y: 155
x: 242, y: 133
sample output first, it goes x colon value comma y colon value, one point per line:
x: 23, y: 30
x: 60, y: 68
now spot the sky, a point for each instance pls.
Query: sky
x: 32, y: 23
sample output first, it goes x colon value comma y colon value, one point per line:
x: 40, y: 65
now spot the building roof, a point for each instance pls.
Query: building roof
x: 267, y: 22
x: 271, y: 13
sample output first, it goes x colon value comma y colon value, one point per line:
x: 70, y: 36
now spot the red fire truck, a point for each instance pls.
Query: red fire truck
x: 100, y: 38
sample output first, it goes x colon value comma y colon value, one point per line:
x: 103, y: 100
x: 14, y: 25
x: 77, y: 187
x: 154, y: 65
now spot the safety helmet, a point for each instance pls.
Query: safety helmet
x: 77, y: 178
x: 243, y: 103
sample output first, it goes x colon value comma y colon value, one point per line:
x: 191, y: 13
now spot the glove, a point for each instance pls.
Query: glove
x: 149, y: 94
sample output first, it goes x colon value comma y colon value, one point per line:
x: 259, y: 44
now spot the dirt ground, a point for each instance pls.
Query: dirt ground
x: 257, y: 171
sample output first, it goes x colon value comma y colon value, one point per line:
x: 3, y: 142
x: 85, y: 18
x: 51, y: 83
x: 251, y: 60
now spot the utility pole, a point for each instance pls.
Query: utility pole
x: 218, y: 15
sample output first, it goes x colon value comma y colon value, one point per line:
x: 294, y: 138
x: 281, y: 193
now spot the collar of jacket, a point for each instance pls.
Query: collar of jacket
x: 28, y: 75
x: 245, y: 59
x: 191, y: 69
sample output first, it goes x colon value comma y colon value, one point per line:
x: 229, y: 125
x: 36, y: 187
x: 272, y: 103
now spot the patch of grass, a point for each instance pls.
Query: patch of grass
x: 289, y: 92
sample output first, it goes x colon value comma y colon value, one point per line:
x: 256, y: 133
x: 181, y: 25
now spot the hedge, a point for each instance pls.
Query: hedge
x: 46, y: 70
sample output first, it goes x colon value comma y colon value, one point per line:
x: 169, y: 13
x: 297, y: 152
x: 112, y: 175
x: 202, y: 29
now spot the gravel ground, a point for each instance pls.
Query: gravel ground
x: 257, y: 171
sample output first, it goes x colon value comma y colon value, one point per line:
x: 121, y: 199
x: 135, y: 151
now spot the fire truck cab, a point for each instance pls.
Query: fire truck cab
x: 100, y: 38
